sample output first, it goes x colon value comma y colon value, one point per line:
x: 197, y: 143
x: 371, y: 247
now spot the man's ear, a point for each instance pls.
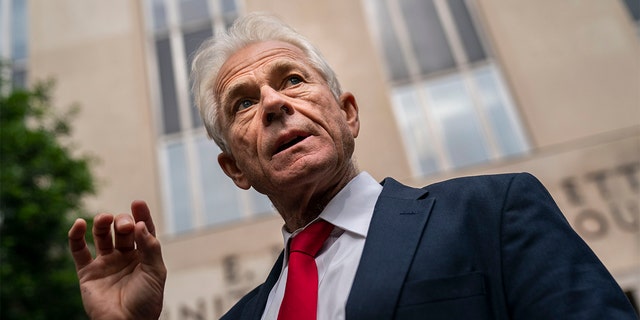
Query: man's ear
x: 230, y: 168
x: 350, y: 108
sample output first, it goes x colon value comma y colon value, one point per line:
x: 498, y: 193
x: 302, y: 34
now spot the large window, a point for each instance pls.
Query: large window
x: 13, y: 41
x: 196, y: 192
x: 447, y: 93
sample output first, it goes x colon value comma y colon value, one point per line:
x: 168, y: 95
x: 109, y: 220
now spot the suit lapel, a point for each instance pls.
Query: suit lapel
x: 398, y: 221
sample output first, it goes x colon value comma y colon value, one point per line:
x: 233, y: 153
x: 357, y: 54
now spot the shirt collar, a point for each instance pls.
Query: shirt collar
x: 352, y: 208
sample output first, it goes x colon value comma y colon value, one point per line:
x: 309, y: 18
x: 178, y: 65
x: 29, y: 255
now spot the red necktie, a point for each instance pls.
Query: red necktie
x: 300, y: 301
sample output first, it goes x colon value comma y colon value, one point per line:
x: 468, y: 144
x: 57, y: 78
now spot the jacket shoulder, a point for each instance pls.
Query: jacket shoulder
x: 486, y: 185
x: 475, y: 184
x: 485, y: 180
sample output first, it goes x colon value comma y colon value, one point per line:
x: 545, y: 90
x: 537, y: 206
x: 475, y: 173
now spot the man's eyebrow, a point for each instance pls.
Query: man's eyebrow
x: 230, y: 95
x: 233, y: 91
x: 281, y: 67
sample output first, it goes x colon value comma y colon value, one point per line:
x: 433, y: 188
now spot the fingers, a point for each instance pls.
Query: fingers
x: 124, y: 228
x: 149, y: 249
x: 145, y: 238
x: 122, y: 238
x: 77, y: 244
x: 141, y: 212
x: 102, y: 233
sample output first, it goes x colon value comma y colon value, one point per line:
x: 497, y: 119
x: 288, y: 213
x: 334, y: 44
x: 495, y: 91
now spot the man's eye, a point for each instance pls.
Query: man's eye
x: 293, y: 80
x: 244, y: 104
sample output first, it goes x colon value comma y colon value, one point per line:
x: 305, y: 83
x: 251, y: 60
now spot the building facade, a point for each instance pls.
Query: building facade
x: 445, y: 87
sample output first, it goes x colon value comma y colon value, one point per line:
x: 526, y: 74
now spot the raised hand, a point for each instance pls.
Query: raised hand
x: 126, y: 278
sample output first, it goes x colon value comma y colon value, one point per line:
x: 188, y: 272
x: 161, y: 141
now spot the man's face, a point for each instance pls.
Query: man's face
x: 283, y: 126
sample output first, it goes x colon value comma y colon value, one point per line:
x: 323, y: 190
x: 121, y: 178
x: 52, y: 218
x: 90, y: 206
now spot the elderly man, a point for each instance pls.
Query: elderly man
x: 493, y: 247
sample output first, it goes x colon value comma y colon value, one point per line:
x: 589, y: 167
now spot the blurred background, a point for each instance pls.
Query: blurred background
x: 445, y: 88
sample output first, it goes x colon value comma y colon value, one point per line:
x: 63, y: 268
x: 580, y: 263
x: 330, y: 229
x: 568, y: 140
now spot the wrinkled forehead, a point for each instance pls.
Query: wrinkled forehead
x: 251, y: 57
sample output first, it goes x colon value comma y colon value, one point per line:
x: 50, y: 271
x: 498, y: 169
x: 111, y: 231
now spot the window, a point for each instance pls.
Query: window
x: 447, y: 92
x: 13, y: 40
x: 195, y: 190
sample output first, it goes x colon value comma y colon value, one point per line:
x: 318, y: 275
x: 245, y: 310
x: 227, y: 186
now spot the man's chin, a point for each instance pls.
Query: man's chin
x: 299, y: 162
x: 304, y: 171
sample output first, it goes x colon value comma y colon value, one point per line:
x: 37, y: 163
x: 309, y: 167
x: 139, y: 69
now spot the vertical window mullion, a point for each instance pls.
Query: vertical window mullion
x: 218, y: 192
x: 194, y: 180
x: 153, y: 68
x: 408, y: 105
x: 179, y: 185
x: 453, y: 37
x: 168, y: 97
x: 453, y: 109
x: 451, y: 32
x: 399, y: 27
x: 500, y: 111
x: 414, y: 70
x: 476, y: 24
x: 182, y: 93
x: 179, y: 68
x: 435, y: 129
x: 427, y: 36
x: 479, y: 107
x: 216, y: 16
x: 192, y: 40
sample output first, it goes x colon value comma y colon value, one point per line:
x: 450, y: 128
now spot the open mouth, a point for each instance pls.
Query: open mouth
x: 290, y: 143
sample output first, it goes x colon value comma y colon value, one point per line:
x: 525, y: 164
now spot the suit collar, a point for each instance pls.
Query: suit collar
x: 399, y: 219
x: 394, y: 189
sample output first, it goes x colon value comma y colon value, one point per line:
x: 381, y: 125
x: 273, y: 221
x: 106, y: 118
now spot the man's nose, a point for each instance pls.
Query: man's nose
x: 274, y: 105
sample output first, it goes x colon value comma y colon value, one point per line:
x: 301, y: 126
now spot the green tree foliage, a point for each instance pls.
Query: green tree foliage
x: 42, y: 183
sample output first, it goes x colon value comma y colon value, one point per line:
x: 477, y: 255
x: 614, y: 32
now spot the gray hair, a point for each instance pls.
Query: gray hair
x: 212, y: 54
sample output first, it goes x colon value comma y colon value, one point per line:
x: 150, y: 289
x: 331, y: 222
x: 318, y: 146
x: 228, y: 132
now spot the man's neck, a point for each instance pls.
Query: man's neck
x: 298, y: 208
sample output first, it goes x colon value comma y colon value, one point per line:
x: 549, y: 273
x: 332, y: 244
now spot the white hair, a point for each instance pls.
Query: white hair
x: 212, y: 54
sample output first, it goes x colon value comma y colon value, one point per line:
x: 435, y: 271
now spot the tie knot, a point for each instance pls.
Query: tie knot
x: 310, y: 240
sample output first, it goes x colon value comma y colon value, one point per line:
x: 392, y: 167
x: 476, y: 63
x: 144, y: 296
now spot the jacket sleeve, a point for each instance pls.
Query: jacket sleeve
x: 549, y: 272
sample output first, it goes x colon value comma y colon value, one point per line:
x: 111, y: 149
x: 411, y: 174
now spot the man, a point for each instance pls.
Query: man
x: 493, y: 247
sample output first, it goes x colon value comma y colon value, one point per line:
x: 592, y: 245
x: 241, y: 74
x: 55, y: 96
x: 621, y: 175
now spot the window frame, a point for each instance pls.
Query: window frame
x: 463, y: 67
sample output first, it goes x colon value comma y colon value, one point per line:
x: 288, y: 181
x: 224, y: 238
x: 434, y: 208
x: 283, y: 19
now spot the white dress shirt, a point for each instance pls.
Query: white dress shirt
x: 350, y: 211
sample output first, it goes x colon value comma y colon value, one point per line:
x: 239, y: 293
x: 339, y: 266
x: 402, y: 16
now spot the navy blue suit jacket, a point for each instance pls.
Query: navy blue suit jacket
x: 489, y: 247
